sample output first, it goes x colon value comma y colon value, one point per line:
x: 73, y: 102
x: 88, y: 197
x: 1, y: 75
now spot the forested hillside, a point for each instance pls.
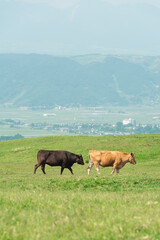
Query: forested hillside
x: 89, y: 80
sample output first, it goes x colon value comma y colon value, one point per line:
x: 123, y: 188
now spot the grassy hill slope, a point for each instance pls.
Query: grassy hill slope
x: 105, y: 206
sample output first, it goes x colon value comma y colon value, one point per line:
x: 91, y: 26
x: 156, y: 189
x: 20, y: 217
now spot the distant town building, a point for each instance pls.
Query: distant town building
x: 156, y: 118
x: 49, y: 114
x: 129, y: 121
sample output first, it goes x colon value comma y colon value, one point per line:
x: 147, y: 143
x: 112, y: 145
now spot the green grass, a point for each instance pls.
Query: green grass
x: 105, y: 206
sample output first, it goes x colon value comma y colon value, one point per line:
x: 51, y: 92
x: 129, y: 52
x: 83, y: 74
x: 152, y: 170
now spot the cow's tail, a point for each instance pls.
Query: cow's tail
x: 90, y: 165
x: 90, y: 160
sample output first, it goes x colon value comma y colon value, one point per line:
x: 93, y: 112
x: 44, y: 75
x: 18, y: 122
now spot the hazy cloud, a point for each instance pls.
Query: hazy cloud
x: 80, y: 26
x: 155, y: 3
x: 53, y: 3
x: 74, y: 11
x: 73, y: 3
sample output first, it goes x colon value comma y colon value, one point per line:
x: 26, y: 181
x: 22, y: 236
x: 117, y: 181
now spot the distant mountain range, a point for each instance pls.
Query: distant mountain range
x: 89, y: 80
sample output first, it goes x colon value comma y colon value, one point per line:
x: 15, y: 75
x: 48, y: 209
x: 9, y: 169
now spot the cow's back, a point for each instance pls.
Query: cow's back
x: 56, y: 158
x: 104, y: 158
x: 108, y: 158
x: 42, y: 155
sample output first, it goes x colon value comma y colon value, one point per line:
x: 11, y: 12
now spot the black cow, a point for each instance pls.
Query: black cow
x: 57, y: 158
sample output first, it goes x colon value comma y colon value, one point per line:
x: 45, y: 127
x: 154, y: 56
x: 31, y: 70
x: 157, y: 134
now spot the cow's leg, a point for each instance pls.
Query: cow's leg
x: 70, y: 169
x: 113, y: 170
x: 36, y: 166
x: 117, y: 170
x: 89, y: 167
x: 62, y: 168
x: 43, y: 168
x: 97, y: 167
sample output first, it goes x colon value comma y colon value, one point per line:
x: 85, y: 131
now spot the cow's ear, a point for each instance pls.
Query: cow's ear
x: 132, y: 154
x: 80, y: 155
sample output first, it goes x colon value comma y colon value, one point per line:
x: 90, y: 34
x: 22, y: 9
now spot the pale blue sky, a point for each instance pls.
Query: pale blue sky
x: 73, y: 27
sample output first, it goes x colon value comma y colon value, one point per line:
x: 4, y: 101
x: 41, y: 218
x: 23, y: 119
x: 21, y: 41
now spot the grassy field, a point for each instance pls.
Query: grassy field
x: 105, y: 206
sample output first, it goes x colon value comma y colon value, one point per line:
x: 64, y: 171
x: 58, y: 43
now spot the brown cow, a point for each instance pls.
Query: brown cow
x: 114, y: 159
x: 64, y: 159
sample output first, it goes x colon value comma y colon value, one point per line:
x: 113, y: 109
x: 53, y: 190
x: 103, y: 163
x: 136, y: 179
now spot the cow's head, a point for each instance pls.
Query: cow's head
x: 132, y: 158
x: 79, y: 159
